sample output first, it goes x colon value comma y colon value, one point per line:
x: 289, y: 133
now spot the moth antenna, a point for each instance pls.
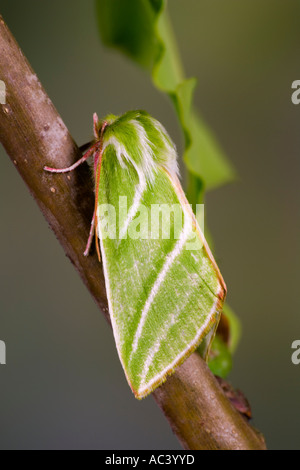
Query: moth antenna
x: 95, y: 125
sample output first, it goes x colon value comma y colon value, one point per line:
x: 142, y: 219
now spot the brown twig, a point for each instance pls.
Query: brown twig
x: 33, y: 135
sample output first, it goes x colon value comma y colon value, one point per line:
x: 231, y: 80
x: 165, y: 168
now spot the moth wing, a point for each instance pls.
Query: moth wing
x: 165, y: 293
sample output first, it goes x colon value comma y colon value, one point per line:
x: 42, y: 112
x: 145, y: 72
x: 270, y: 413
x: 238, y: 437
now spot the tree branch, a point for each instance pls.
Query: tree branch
x: 34, y: 135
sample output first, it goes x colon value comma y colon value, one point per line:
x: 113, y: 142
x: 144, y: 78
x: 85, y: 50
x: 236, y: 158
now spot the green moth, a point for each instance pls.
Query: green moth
x: 164, y: 289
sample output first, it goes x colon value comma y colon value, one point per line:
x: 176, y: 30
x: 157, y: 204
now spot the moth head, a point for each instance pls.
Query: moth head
x: 101, y: 124
x: 140, y: 140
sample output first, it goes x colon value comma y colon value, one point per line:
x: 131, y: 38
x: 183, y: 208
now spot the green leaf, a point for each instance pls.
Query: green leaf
x: 234, y: 328
x: 130, y: 27
x: 142, y: 30
x: 224, y: 346
x: 220, y: 359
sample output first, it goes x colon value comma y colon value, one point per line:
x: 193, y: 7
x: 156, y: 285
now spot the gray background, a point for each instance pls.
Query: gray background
x: 63, y: 386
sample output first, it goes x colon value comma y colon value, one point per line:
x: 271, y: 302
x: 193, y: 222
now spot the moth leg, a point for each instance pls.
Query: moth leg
x: 83, y: 148
x: 91, y: 236
x: 87, y: 154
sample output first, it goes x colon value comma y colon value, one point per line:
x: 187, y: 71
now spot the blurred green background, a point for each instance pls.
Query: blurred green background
x: 63, y: 386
